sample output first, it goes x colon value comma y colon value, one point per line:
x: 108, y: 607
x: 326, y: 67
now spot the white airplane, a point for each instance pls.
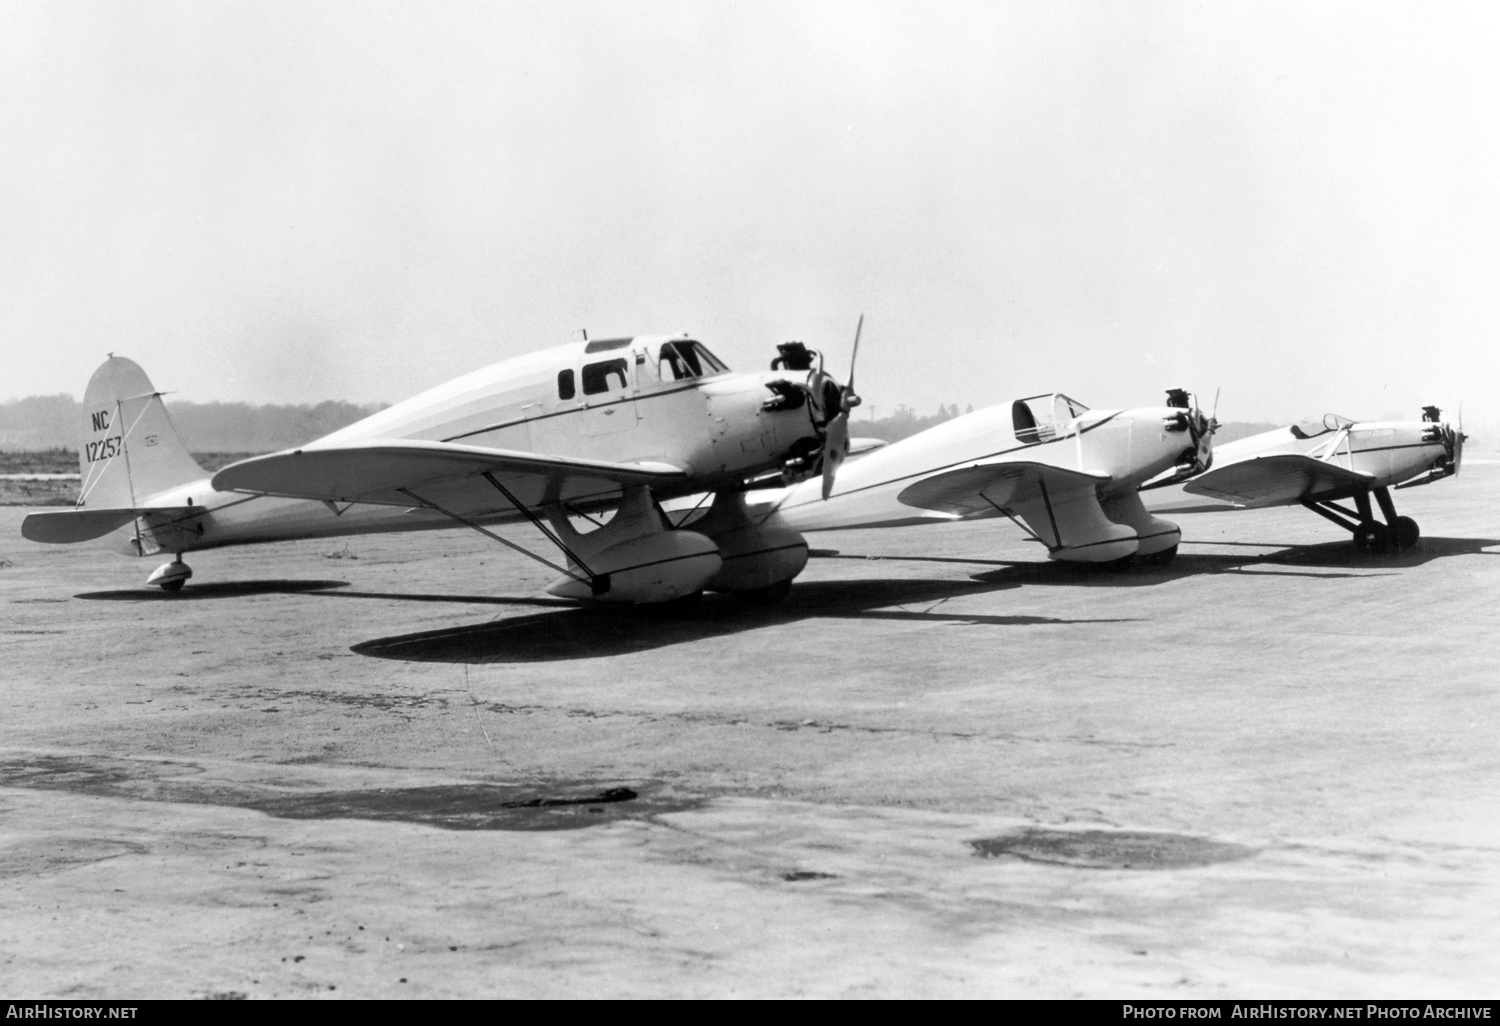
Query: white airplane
x: 1067, y: 475
x: 1318, y: 465
x: 556, y: 438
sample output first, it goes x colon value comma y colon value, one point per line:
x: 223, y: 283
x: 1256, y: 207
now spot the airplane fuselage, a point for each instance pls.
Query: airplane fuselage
x: 1392, y: 451
x: 1131, y: 446
x: 647, y: 400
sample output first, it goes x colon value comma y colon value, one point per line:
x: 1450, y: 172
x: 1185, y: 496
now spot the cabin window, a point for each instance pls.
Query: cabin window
x: 565, y: 384
x: 606, y: 376
x: 599, y: 345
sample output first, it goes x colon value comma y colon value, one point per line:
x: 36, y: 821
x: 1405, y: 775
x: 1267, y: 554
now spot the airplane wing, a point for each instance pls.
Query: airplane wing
x: 1061, y: 507
x: 978, y: 490
x: 1278, y: 480
x: 79, y: 525
x: 454, y: 477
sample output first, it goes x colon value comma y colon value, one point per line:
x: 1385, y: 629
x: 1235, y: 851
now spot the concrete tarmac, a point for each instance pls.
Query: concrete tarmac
x: 943, y: 767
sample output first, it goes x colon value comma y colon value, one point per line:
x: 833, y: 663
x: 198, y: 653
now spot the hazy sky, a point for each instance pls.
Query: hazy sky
x: 1299, y: 203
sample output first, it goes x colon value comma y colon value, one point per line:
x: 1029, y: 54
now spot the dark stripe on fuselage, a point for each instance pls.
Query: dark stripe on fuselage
x: 1390, y: 448
x: 578, y: 409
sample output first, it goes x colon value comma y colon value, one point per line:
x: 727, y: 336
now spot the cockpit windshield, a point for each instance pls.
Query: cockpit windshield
x: 1039, y: 418
x: 1330, y: 422
x: 686, y: 359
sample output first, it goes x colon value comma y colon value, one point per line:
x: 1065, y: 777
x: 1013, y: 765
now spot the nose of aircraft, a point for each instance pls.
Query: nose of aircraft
x: 1453, y: 441
x: 1200, y: 429
x: 837, y: 403
x: 830, y: 402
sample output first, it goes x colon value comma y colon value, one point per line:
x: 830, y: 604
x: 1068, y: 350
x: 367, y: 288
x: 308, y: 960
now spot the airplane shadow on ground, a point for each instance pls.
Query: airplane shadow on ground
x: 211, y: 590
x: 584, y: 633
x: 1330, y: 560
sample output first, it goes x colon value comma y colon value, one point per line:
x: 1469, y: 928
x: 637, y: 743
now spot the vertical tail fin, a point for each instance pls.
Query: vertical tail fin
x: 128, y: 449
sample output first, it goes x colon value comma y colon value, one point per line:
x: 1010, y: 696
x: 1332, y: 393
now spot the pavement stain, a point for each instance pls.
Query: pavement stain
x: 1110, y: 849
x: 34, y: 858
x: 562, y: 805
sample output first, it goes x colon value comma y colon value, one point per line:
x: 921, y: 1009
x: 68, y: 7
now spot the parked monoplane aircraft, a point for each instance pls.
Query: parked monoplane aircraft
x: 1318, y: 465
x: 566, y: 433
x: 1066, y: 474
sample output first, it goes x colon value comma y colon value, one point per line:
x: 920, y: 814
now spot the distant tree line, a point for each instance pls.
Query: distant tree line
x: 905, y: 422
x: 902, y: 423
x: 51, y: 421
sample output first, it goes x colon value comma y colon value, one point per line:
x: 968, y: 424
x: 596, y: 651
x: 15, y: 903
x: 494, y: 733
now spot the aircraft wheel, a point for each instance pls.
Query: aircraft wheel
x: 1404, y: 532
x: 1161, y: 558
x: 173, y: 585
x: 1371, y: 538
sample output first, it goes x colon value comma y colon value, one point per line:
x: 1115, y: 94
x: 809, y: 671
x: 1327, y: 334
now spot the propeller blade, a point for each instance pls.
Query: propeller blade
x: 835, y: 448
x: 849, y: 385
x: 836, y: 435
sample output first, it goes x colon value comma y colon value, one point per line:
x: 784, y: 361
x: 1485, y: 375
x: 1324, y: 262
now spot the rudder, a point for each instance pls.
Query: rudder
x: 128, y: 448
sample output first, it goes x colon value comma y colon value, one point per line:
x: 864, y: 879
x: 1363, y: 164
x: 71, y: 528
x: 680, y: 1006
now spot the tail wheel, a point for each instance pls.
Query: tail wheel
x: 1371, y: 537
x: 1404, y: 532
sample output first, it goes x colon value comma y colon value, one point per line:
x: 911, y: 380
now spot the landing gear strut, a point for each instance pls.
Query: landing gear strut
x: 1370, y: 535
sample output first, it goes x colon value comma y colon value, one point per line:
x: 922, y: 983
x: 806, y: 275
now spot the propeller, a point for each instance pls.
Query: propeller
x: 1455, y: 442
x: 1453, y: 446
x: 837, y: 402
x: 1188, y: 416
x: 1200, y: 429
x: 1202, y: 432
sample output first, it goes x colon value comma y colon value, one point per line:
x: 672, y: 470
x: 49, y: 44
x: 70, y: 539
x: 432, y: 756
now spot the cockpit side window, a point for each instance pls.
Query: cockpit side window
x: 605, y: 376
x: 565, y: 388
x: 1024, y: 421
x: 671, y: 364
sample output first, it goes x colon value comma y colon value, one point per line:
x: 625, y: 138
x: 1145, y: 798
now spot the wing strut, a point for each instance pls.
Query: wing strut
x: 552, y: 536
x: 1013, y: 518
x: 1056, y: 534
x: 491, y: 534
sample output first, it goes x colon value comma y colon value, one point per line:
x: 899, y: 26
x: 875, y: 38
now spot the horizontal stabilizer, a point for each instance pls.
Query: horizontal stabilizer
x: 446, y: 474
x: 1279, y: 480
x: 78, y: 525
